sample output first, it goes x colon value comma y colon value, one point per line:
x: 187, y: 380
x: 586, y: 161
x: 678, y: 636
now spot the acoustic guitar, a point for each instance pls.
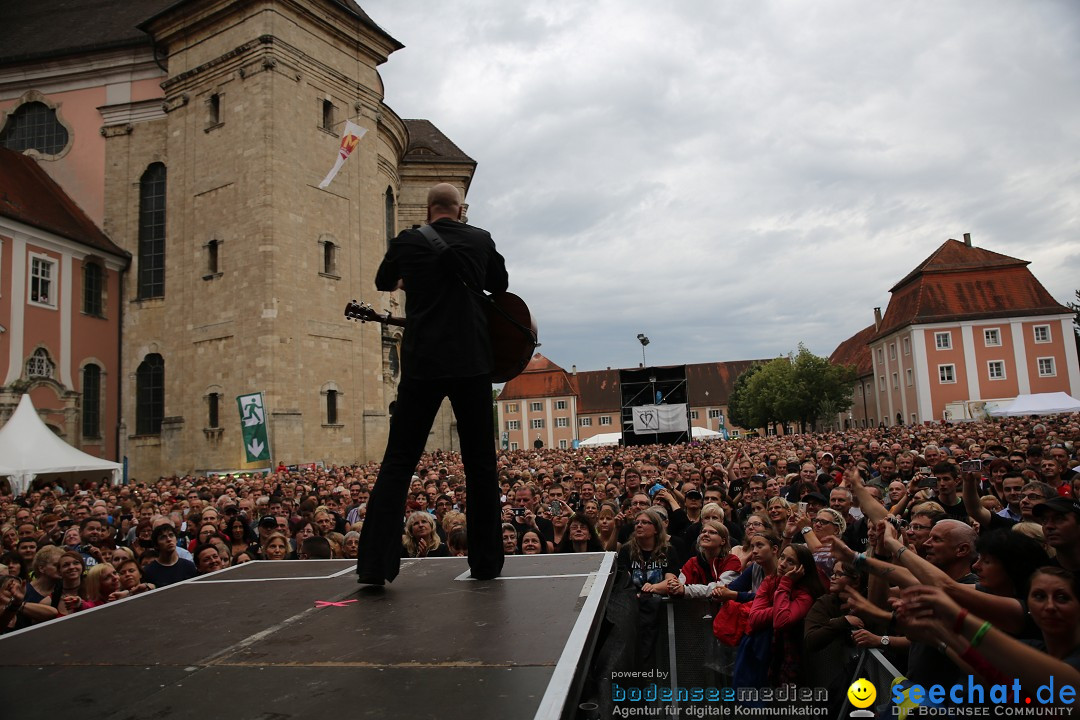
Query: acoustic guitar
x: 510, y: 324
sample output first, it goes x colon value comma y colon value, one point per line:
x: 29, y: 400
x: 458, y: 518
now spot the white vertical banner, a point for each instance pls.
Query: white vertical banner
x: 349, y: 138
x: 660, y: 418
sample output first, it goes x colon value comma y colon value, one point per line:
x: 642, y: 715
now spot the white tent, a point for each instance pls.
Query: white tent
x: 601, y: 439
x: 29, y: 449
x: 1039, y: 404
x: 701, y: 433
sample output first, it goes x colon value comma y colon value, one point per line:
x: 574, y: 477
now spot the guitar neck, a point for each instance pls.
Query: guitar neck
x: 365, y: 313
x: 393, y: 321
x: 510, y: 324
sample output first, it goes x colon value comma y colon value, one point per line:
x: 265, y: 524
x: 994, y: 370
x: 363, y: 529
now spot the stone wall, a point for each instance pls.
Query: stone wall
x: 270, y: 318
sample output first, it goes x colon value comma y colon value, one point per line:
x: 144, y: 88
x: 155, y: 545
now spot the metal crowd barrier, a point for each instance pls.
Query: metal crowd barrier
x: 876, y: 668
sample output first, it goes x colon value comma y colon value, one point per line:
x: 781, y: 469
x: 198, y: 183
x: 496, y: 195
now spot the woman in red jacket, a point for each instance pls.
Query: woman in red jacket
x: 713, y: 567
x: 781, y: 603
x: 703, y: 572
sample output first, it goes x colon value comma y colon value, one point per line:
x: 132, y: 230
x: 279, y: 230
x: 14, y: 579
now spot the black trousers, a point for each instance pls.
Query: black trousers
x: 418, y: 402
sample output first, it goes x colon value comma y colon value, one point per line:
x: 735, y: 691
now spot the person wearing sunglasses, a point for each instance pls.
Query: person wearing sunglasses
x: 827, y: 526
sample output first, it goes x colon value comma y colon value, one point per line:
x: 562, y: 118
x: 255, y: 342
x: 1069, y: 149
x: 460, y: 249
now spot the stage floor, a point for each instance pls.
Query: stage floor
x: 300, y: 639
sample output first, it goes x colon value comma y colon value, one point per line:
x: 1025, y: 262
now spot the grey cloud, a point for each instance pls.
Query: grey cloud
x: 732, y: 178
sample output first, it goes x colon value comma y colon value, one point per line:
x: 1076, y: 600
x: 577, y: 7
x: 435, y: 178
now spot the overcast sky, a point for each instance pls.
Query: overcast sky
x: 733, y: 178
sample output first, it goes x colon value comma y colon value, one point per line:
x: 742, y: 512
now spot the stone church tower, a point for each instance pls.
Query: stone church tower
x: 260, y: 262
x: 241, y: 265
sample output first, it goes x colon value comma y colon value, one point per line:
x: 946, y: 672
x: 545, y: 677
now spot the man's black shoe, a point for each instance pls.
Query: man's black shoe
x: 479, y: 575
x: 366, y: 579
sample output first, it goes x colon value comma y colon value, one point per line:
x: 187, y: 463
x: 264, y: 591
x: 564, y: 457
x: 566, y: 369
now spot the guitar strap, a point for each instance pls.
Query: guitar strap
x: 436, y: 241
x: 440, y: 247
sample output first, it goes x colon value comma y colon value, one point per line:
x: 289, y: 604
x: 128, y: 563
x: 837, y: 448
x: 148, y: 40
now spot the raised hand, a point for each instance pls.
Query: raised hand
x: 923, y: 601
x: 856, y: 602
x: 842, y: 552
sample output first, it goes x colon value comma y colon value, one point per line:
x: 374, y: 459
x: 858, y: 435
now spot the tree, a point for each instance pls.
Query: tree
x: 1075, y: 307
x: 761, y: 394
x: 821, y: 386
x: 739, y: 412
x: 796, y: 388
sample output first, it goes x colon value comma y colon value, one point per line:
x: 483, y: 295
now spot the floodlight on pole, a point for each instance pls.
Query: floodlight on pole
x: 644, y: 341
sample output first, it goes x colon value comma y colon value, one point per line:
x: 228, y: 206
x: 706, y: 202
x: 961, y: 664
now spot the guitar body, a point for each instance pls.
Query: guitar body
x: 507, y: 316
x: 511, y: 347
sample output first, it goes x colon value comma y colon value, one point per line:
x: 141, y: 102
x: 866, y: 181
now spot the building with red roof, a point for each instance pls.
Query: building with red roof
x: 60, y: 308
x: 558, y: 407
x: 966, y: 328
x: 855, y: 351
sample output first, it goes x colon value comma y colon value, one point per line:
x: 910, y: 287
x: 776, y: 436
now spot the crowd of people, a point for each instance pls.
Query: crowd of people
x: 954, y: 550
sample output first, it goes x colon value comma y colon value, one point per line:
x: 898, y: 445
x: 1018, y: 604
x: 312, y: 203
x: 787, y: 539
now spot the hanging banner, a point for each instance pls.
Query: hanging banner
x: 660, y: 419
x: 350, y: 136
x: 253, y: 426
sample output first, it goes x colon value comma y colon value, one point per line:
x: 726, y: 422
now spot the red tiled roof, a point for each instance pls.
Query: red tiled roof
x: 599, y: 391
x: 959, y: 282
x: 52, y: 28
x: 540, y: 378
x: 712, y: 383
x: 29, y: 195
x: 45, y: 28
x: 954, y: 255
x: 856, y: 351
x: 428, y: 143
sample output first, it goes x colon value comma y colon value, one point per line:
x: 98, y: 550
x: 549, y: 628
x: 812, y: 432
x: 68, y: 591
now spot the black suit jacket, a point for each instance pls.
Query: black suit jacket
x: 446, y: 331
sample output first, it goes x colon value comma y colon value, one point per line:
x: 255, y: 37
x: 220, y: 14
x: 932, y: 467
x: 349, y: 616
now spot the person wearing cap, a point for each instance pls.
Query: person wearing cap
x: 267, y: 525
x: 814, y: 502
x: 1060, y: 520
x: 693, y: 500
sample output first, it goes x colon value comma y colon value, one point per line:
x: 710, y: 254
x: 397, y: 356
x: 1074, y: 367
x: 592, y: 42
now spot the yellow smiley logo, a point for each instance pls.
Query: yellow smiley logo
x: 862, y: 693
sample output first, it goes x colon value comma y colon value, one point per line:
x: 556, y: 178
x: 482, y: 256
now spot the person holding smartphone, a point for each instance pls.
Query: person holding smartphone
x: 521, y: 513
x: 921, y: 480
x: 560, y: 518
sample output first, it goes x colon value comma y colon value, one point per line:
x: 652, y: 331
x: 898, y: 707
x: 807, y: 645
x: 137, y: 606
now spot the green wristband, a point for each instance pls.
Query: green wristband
x: 977, y: 639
